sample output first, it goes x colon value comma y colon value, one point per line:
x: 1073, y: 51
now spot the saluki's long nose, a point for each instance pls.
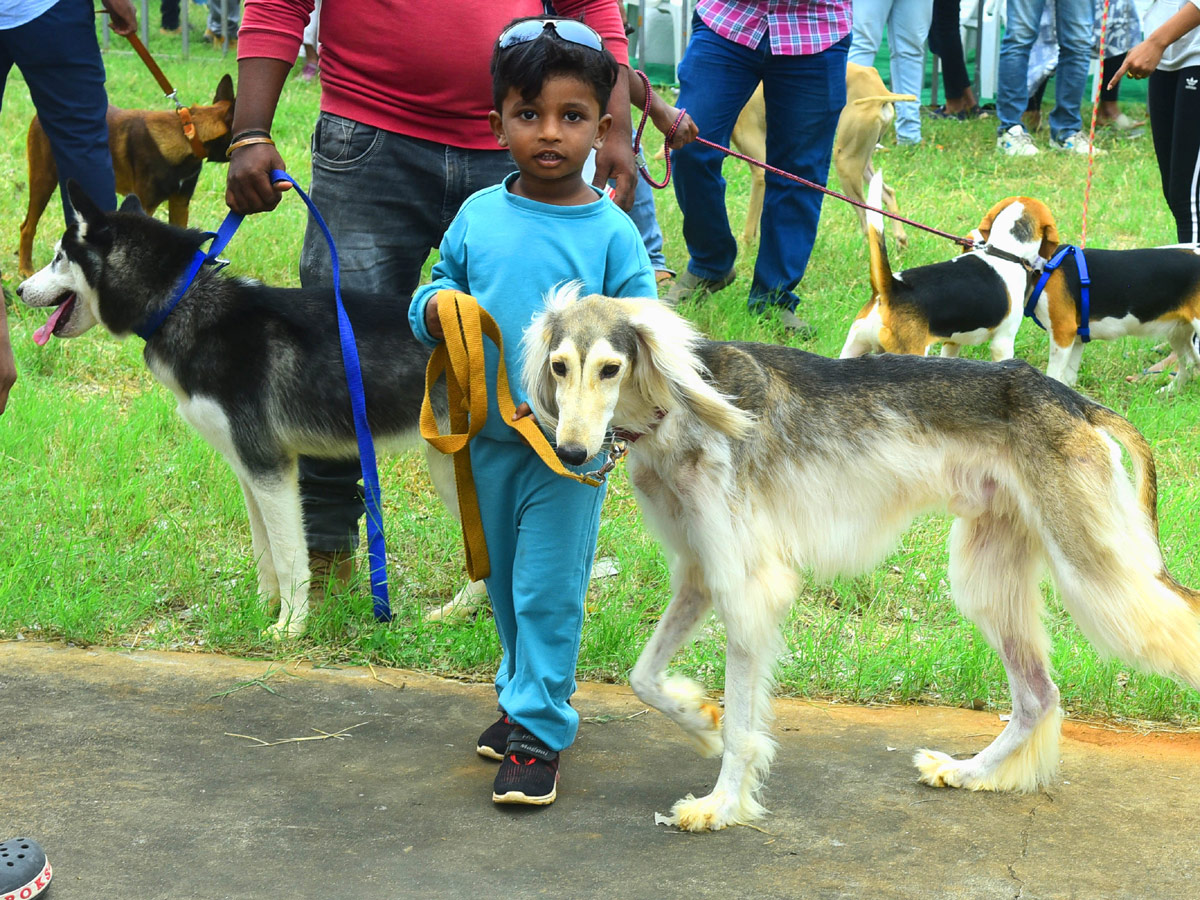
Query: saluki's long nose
x: 572, y: 454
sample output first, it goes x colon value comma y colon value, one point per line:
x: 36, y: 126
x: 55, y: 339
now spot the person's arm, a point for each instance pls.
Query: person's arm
x: 1145, y: 57
x: 614, y: 160
x: 121, y: 16
x: 449, y: 273
x: 248, y: 185
x: 663, y: 114
x: 269, y: 39
x: 8, y: 368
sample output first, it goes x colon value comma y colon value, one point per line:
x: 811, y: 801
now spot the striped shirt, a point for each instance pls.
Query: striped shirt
x: 795, y: 27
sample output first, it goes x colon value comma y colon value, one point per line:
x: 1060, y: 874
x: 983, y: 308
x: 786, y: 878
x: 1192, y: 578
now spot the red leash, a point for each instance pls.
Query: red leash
x: 641, y: 162
x: 1087, y: 191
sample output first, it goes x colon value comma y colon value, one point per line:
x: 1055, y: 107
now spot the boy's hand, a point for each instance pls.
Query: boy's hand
x: 433, y: 324
x: 522, y: 412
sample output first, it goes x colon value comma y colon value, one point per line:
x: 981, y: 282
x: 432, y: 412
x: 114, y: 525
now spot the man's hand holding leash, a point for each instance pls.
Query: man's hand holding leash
x: 121, y: 16
x: 252, y: 153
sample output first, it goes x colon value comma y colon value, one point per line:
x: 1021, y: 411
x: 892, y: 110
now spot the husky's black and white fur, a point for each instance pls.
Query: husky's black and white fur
x: 752, y: 461
x: 257, y: 370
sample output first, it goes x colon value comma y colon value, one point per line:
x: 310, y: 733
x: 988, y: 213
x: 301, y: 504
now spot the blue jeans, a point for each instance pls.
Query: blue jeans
x: 1073, y: 19
x: 907, y: 24
x: 804, y: 96
x: 645, y: 217
x: 387, y: 199
x: 60, y: 61
x: 233, y: 9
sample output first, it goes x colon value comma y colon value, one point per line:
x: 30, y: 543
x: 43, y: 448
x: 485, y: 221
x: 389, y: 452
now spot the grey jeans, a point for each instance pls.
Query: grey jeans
x: 387, y: 200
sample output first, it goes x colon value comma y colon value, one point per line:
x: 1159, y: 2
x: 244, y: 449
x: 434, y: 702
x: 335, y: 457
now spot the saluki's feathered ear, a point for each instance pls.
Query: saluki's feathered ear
x: 535, y: 374
x: 668, y: 373
x: 535, y: 351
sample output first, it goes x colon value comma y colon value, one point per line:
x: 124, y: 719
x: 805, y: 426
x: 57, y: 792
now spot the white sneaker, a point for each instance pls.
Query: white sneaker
x: 1077, y: 143
x: 1016, y: 142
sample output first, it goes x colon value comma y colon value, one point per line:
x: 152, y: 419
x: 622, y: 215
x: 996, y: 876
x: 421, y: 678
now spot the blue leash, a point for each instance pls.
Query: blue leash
x: 376, y: 551
x: 1085, y: 285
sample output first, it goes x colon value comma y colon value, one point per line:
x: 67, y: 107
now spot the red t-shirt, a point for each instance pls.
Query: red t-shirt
x: 413, y: 67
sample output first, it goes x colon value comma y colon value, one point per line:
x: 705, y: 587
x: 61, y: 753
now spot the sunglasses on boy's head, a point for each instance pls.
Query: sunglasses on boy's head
x: 567, y: 29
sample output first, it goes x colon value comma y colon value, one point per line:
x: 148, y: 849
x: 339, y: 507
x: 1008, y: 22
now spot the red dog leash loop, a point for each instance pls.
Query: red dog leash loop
x: 639, y: 157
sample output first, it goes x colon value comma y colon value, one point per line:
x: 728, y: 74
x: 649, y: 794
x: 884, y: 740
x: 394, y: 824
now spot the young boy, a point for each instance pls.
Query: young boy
x: 508, y: 246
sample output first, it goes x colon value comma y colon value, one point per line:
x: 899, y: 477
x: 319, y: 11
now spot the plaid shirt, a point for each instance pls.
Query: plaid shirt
x: 795, y: 27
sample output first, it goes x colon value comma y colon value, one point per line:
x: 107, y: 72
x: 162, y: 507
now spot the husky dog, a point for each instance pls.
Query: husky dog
x: 751, y: 460
x: 257, y: 370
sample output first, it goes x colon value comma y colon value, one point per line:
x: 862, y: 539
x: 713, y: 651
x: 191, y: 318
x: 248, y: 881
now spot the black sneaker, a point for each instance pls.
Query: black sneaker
x: 529, y: 772
x: 24, y: 870
x: 494, y: 740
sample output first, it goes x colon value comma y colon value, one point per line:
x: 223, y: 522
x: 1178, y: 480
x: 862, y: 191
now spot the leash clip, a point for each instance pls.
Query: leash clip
x: 616, y: 452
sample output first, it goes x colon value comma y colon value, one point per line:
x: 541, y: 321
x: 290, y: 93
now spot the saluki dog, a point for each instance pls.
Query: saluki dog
x: 751, y: 461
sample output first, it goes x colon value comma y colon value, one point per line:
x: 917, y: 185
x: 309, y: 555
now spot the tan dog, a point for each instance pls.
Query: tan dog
x: 868, y: 110
x: 151, y: 158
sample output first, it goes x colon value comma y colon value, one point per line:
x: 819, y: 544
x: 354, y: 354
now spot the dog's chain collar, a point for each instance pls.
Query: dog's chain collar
x: 618, y: 440
x: 1034, y: 267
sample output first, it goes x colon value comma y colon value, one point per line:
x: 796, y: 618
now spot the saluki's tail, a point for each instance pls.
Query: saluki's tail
x: 1108, y: 563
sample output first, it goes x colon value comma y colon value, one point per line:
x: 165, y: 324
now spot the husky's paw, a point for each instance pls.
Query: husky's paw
x: 709, y: 813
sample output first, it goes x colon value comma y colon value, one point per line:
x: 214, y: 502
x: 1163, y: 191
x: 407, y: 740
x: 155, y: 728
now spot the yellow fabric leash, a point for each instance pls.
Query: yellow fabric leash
x: 460, y: 356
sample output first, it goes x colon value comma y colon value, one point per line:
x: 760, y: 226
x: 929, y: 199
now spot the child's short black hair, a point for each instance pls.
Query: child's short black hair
x: 525, y: 67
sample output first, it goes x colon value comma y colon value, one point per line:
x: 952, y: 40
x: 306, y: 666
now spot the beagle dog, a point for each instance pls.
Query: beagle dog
x: 1153, y: 292
x: 971, y: 299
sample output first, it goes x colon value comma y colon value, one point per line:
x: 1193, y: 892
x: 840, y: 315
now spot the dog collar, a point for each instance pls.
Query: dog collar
x: 220, y: 238
x: 1010, y: 257
x: 629, y: 437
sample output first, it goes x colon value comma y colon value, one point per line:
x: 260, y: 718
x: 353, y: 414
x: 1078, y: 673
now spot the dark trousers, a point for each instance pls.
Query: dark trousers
x: 387, y: 199
x: 170, y: 14
x: 946, y: 43
x: 1175, y: 123
x: 804, y: 96
x: 59, y: 59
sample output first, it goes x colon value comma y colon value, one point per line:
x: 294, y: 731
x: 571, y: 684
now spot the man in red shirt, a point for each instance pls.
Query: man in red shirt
x: 402, y: 140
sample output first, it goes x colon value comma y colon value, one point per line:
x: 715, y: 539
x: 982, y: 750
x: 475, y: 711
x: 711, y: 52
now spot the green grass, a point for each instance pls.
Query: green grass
x: 120, y: 527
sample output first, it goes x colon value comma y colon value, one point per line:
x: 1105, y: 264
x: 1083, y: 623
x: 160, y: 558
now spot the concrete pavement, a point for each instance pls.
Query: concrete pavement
x: 157, y: 775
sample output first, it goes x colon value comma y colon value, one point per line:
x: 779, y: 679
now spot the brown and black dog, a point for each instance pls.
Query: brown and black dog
x: 151, y: 158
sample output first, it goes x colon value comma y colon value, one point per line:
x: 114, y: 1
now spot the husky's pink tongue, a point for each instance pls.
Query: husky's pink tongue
x: 42, y: 335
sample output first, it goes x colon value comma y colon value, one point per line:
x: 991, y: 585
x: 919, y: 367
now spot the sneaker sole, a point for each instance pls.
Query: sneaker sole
x: 525, y: 799
x: 489, y: 753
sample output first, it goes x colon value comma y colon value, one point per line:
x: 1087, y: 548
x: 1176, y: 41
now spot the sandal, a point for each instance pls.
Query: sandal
x: 24, y: 870
x: 1162, y: 367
